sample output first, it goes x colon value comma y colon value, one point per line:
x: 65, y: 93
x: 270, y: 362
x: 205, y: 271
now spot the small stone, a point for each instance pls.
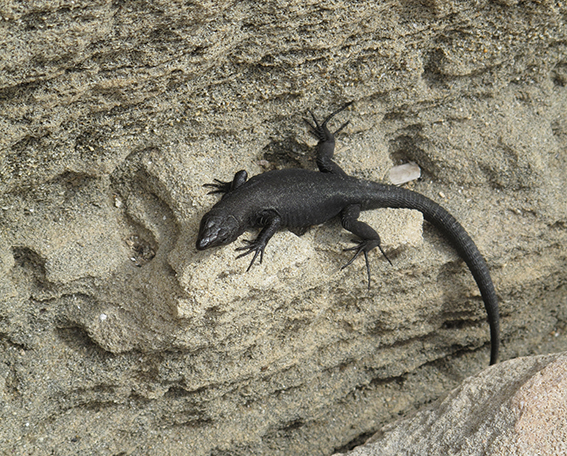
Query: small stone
x: 405, y: 173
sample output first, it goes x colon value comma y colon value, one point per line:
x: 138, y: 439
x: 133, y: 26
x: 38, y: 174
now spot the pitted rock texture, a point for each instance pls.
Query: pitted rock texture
x: 118, y: 337
x: 517, y: 408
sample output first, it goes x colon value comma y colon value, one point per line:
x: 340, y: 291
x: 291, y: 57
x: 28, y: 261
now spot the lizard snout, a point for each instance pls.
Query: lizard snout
x: 203, y: 243
x: 208, y: 234
x: 216, y: 230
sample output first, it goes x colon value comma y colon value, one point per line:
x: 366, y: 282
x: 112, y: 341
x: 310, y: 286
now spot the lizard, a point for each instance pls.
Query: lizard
x: 299, y: 198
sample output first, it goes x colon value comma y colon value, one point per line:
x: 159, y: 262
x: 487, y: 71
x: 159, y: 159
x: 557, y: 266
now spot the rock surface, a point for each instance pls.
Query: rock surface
x: 118, y: 337
x: 515, y: 408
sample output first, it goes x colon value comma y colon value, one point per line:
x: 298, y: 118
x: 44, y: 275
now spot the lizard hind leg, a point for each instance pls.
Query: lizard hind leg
x: 369, y: 238
x: 326, y: 142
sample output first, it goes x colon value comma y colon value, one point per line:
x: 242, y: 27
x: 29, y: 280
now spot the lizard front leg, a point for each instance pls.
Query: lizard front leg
x: 271, y: 223
x: 219, y: 186
x: 369, y: 238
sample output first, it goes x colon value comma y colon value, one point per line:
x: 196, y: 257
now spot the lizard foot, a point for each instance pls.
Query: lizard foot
x: 320, y: 131
x: 364, y: 246
x: 255, y: 246
x: 219, y: 187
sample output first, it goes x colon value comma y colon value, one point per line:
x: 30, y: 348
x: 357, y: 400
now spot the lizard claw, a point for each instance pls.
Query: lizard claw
x: 364, y: 246
x: 320, y: 131
x: 218, y: 186
x: 252, y: 246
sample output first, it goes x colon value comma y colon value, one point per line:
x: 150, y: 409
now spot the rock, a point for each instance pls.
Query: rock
x: 117, y: 336
x: 514, y: 408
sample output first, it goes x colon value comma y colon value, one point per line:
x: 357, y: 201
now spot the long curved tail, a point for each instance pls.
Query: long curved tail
x: 396, y: 197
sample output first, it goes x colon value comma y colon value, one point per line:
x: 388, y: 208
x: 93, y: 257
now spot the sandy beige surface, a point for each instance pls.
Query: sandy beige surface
x: 118, y: 337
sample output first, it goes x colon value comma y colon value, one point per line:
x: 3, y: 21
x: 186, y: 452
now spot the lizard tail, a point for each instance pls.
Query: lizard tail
x: 396, y: 197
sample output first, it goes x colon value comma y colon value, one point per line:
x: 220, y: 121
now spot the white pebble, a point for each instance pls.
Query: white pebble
x: 405, y: 173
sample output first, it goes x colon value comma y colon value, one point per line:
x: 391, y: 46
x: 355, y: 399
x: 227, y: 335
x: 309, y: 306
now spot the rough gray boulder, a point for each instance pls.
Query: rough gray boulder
x: 118, y: 337
x: 517, y: 408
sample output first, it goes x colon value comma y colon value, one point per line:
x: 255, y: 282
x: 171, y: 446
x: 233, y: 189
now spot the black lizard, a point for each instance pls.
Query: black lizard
x: 299, y: 198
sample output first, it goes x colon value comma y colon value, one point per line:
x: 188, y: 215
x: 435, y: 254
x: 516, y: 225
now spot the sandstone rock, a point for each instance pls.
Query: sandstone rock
x: 117, y: 336
x: 516, y: 408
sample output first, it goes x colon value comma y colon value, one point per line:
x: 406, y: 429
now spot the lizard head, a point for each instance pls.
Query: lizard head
x: 217, y: 230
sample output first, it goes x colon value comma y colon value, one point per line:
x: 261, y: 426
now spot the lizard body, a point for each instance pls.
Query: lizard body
x: 299, y: 198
